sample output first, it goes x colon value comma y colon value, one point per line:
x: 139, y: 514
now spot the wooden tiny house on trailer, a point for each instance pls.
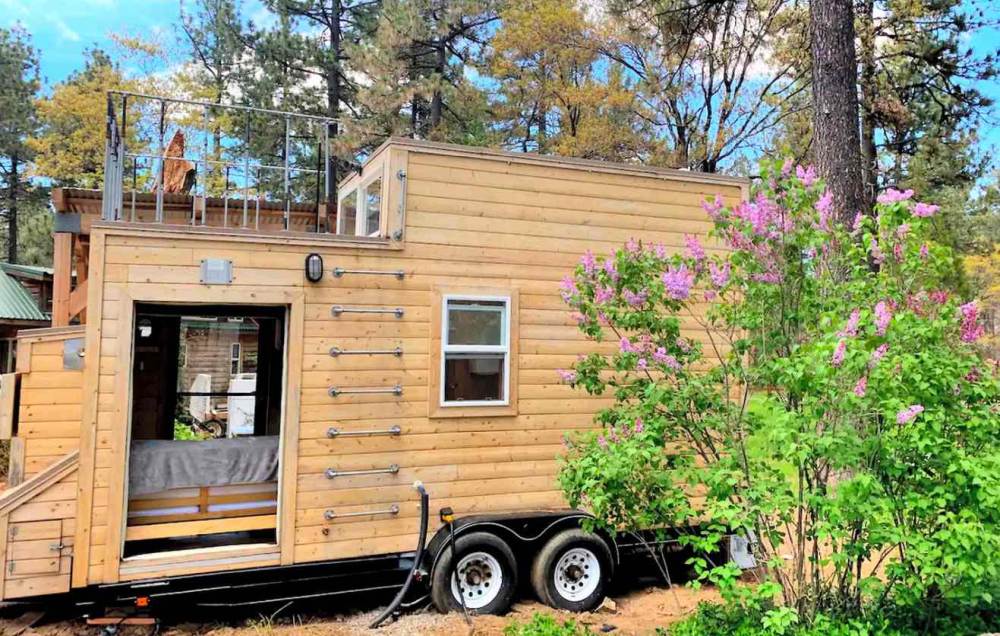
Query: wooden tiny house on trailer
x: 426, y: 350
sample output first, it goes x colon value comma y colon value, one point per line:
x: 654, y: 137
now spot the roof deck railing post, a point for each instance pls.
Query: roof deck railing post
x: 163, y: 162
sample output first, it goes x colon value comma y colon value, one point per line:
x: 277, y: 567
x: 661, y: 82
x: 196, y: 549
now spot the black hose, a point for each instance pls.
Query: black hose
x: 396, y: 602
x: 454, y: 571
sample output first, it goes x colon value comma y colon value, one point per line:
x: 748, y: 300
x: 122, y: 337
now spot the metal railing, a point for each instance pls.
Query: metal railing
x: 269, y: 164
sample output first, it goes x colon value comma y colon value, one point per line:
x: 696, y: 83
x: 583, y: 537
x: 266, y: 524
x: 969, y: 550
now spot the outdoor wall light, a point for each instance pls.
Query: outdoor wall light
x: 314, y: 268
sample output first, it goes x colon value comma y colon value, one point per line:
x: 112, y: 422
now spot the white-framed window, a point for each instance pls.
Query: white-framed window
x: 359, y: 208
x: 475, y: 350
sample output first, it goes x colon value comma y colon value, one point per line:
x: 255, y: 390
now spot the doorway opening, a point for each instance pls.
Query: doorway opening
x: 206, y: 419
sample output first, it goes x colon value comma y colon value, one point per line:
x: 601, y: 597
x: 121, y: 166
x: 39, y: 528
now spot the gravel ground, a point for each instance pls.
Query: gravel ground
x: 633, y: 612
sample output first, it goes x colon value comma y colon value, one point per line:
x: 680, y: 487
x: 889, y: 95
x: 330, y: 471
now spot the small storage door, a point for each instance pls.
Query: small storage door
x: 39, y: 557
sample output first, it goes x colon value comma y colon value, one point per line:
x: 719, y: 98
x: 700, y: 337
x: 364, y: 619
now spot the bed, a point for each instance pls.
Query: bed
x: 186, y: 488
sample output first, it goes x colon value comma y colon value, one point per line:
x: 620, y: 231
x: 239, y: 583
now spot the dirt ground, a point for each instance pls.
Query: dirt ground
x: 634, y: 612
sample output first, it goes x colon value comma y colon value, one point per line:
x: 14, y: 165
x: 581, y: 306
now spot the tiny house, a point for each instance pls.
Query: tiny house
x: 246, y: 382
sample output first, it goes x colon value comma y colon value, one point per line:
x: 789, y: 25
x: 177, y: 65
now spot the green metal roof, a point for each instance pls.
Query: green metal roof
x: 16, y: 302
x: 28, y: 271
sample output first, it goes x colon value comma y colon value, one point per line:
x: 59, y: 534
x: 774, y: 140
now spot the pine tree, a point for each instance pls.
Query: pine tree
x: 18, y: 85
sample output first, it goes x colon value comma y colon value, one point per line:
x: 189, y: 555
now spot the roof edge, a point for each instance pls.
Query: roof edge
x: 573, y: 163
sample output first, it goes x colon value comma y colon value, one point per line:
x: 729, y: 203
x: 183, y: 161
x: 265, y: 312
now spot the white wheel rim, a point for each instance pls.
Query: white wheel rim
x: 481, y: 578
x: 577, y: 574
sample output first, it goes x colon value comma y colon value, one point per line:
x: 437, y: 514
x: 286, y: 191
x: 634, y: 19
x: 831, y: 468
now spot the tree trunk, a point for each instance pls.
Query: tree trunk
x: 869, y: 153
x: 836, y: 135
x: 333, y: 101
x: 440, y: 59
x: 12, y: 212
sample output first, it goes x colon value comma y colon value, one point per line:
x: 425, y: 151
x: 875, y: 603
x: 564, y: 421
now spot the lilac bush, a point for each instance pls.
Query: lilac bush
x: 811, y: 385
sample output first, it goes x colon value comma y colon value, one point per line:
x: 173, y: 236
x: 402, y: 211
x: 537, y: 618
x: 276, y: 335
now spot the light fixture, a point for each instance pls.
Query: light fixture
x: 314, y: 268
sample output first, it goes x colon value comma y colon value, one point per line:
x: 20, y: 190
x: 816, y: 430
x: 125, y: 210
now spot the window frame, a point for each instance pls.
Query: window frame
x: 236, y: 358
x: 504, y: 348
x: 359, y: 192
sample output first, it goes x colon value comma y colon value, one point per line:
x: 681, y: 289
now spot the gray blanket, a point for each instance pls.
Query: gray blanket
x: 158, y: 465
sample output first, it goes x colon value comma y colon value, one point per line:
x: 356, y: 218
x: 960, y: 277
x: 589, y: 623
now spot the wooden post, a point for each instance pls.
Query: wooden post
x: 62, y: 261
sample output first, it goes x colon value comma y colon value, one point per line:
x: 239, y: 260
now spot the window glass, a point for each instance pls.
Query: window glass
x: 348, y: 214
x: 373, y: 206
x: 476, y: 322
x: 474, y: 377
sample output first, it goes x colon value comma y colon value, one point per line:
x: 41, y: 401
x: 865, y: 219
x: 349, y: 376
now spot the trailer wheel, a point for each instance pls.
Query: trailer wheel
x: 487, y: 575
x: 572, y: 571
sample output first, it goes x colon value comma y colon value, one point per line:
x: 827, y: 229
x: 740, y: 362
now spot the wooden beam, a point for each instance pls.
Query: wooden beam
x: 62, y: 261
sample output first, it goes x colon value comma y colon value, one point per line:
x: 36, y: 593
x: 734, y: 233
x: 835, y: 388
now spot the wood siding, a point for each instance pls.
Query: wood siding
x: 471, y: 223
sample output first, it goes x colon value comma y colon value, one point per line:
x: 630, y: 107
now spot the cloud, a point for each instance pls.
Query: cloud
x: 64, y: 30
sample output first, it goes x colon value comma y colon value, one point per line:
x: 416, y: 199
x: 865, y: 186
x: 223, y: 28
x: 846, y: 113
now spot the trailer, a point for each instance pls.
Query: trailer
x: 397, y: 335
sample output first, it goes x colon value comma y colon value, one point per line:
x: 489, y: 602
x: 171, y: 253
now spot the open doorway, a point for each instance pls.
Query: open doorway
x: 206, y: 419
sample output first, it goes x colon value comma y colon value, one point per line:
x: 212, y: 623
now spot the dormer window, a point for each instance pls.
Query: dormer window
x: 359, y: 209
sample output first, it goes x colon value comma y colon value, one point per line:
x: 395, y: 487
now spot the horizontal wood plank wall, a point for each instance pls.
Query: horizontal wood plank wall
x: 471, y: 222
x: 51, y: 399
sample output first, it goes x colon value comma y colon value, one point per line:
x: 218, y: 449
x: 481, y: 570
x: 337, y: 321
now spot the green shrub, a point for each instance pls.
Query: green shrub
x: 545, y: 625
x: 715, y: 620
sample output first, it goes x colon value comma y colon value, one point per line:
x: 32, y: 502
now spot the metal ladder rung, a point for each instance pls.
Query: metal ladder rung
x: 330, y: 515
x: 336, y: 432
x: 337, y: 351
x: 337, y: 310
x: 340, y: 271
x: 368, y: 390
x: 391, y: 469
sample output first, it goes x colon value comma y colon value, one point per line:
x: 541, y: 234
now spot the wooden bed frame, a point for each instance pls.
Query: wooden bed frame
x: 205, y: 510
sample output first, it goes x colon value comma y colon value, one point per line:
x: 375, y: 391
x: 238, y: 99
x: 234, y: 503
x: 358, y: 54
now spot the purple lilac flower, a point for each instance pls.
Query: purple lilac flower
x: 894, y: 196
x: 924, y: 252
x: 683, y: 344
x: 858, y: 219
x: 578, y: 317
x: 694, y: 248
x: 662, y: 357
x: 897, y: 252
x: 851, y: 328
x: 882, y: 317
x: 786, y: 167
x: 568, y: 288
x: 876, y: 251
x: 589, y: 262
x: 639, y: 426
x: 878, y: 354
x: 903, y: 231
x: 603, y: 294
x: 611, y: 270
x: 635, y: 299
x: 633, y: 246
x: 925, y: 209
x: 642, y: 364
x: 602, y: 442
x: 719, y: 275
x: 939, y: 296
x: 660, y: 250
x: 806, y: 175
x: 825, y: 207
x: 838, y: 353
x: 861, y: 387
x: 626, y: 345
x: 714, y: 207
x: 909, y: 413
x: 678, y: 282
x: 567, y: 376
x: 970, y: 330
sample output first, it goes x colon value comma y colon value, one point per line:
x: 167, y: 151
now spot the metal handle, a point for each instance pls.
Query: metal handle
x: 330, y: 515
x: 395, y: 390
x: 340, y: 271
x: 337, y: 310
x: 337, y: 351
x: 336, y: 432
x: 392, y: 469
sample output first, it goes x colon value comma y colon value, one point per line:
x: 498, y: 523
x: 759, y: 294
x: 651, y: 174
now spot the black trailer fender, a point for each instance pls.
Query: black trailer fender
x: 524, y: 532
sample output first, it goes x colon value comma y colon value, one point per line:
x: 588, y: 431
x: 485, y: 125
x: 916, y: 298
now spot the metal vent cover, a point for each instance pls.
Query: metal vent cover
x: 216, y: 271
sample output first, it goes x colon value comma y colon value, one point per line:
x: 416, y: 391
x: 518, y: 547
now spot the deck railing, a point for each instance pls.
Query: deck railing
x: 252, y: 168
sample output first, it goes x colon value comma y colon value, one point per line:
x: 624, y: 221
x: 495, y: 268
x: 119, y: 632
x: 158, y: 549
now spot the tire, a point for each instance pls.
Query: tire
x: 484, y: 559
x: 563, y: 574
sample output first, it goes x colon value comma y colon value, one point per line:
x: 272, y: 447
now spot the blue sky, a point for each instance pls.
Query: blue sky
x: 63, y: 29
